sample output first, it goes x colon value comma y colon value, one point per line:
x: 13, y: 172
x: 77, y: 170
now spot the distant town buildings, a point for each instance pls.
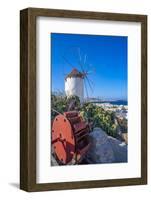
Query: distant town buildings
x: 121, y: 111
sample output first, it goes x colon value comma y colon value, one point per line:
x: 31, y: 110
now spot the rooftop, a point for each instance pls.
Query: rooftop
x: 75, y: 73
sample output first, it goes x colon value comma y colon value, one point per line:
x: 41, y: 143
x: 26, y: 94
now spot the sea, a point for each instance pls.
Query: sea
x: 115, y: 102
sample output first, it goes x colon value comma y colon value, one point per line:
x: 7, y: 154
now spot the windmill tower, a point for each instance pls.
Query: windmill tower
x: 74, y: 84
x: 77, y: 80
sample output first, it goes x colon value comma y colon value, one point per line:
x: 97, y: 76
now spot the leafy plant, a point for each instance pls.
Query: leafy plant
x: 60, y: 103
x: 100, y: 118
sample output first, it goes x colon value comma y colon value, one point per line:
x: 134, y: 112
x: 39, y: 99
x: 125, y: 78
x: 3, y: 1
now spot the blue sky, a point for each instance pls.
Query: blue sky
x: 106, y: 58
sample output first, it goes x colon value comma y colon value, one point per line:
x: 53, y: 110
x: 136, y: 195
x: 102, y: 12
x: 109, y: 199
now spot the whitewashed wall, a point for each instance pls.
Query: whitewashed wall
x: 74, y: 86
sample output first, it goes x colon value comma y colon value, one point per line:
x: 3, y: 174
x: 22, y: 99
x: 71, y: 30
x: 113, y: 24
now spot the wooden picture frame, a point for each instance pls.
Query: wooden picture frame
x: 28, y: 98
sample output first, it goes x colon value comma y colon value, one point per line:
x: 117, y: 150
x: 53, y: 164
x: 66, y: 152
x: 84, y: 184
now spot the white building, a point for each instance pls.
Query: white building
x: 74, y: 84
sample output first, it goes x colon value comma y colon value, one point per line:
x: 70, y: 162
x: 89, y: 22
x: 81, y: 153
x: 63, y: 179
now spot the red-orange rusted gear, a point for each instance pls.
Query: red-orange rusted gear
x: 70, y: 137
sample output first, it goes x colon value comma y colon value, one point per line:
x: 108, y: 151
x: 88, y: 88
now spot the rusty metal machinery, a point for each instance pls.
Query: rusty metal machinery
x: 70, y: 140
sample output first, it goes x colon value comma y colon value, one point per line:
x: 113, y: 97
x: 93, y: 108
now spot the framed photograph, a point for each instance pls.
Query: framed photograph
x: 83, y: 99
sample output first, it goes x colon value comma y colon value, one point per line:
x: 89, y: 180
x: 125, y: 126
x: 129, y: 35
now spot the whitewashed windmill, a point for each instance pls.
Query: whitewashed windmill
x: 76, y: 81
x: 74, y: 84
